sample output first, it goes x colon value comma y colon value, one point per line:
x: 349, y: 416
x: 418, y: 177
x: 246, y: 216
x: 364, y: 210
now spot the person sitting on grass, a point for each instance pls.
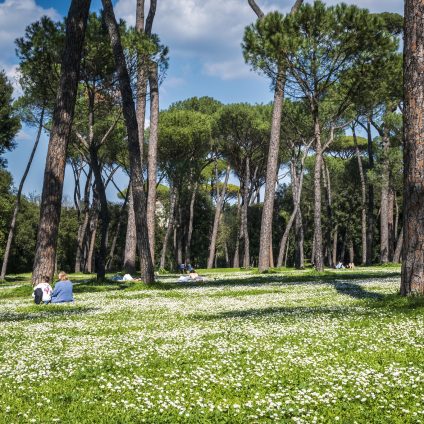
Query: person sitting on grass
x: 194, y: 275
x: 63, y: 290
x: 43, y: 291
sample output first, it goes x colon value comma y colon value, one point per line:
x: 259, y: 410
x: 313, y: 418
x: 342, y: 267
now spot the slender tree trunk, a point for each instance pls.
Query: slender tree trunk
x: 82, y: 230
x: 190, y: 224
x: 18, y: 198
x: 384, y: 214
x: 236, y: 258
x: 399, y: 245
x: 169, y: 228
x: 299, y: 256
x: 129, y: 113
x: 271, y: 175
x: 130, y: 251
x: 214, y: 235
x: 152, y: 155
x: 391, y: 223
x: 179, y: 240
x: 370, y: 210
x: 334, y: 253
x: 273, y: 153
x: 318, y: 260
x: 413, y: 210
x: 286, y: 254
x: 343, y: 249
x: 351, y: 250
x: 327, y: 187
x: 50, y: 208
x: 363, y: 201
x: 246, y: 240
x: 109, y: 262
x: 227, y: 256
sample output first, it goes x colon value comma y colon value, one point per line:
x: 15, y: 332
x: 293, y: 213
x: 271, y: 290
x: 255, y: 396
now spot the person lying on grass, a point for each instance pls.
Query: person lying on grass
x: 63, y: 291
x: 43, y: 291
x: 193, y: 276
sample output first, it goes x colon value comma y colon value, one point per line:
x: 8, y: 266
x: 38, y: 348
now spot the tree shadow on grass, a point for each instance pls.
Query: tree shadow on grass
x: 356, y: 291
x: 45, y: 313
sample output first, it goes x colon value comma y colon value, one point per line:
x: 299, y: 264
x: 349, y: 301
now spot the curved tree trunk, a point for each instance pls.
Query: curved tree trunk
x: 18, y: 198
x: 50, y: 208
x: 129, y: 113
x: 218, y: 209
x: 413, y: 219
x: 399, y: 245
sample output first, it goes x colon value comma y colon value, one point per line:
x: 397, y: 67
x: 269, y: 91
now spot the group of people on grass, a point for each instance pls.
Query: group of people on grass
x: 62, y: 292
x: 341, y: 265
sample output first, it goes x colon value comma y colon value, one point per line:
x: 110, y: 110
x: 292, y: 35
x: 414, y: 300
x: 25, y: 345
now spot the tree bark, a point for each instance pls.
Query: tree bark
x: 50, y: 208
x: 391, y: 223
x: 334, y: 252
x: 111, y: 255
x: 318, y: 259
x: 82, y: 230
x: 327, y: 187
x: 236, y: 258
x: 413, y: 210
x: 170, y: 226
x: 18, y: 198
x: 152, y: 155
x: 130, y: 251
x: 245, y: 206
x: 214, y: 235
x: 384, y: 214
x: 398, y: 250
x: 190, y: 224
x: 129, y: 113
x: 363, y: 200
x: 273, y: 152
x: 370, y: 209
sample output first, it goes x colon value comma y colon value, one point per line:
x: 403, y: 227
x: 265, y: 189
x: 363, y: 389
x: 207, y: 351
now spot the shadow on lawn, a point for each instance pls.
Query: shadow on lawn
x: 44, y: 312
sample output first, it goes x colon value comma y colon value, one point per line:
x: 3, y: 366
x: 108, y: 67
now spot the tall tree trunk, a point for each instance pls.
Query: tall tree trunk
x: 299, y: 256
x: 273, y: 153
x: 398, y: 250
x: 179, y: 240
x: 227, y: 256
x: 190, y: 224
x: 384, y: 214
x: 370, y: 209
x: 246, y: 239
x: 391, y: 224
x: 236, y: 258
x: 271, y: 175
x: 318, y: 260
x: 169, y: 228
x: 130, y: 251
x: 327, y: 187
x: 129, y: 113
x: 363, y: 200
x: 152, y: 155
x: 351, y: 250
x: 214, y: 235
x: 413, y: 209
x: 50, y: 208
x: 82, y: 230
x: 334, y: 252
x: 109, y: 262
x: 18, y: 198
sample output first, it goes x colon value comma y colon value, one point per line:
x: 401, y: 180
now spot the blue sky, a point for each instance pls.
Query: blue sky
x: 204, y: 39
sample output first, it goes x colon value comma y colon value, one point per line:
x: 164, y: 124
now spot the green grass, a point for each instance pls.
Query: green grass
x: 287, y: 346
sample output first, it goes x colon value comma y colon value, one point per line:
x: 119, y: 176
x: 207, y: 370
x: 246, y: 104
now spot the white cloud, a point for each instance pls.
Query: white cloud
x: 211, y: 31
x: 15, y: 16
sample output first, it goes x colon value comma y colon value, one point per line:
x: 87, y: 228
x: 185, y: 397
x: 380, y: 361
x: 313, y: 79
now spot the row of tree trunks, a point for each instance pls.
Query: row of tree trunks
x: 18, y: 197
x: 218, y: 209
x: 50, y: 208
x: 130, y: 118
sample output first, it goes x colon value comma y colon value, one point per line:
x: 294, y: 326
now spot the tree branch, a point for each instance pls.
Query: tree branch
x: 256, y: 9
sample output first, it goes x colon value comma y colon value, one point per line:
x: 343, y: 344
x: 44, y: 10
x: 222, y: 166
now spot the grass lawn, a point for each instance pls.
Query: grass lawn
x: 241, y: 347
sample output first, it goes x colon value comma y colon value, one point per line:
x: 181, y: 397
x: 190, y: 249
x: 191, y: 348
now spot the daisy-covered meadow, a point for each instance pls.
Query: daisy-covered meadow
x: 288, y: 346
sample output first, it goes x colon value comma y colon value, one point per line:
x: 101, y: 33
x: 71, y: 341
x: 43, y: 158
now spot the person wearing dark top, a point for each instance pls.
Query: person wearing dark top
x: 63, y: 290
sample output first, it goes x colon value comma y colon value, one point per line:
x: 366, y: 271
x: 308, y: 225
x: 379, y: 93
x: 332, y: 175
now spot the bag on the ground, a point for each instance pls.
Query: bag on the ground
x: 38, y: 296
